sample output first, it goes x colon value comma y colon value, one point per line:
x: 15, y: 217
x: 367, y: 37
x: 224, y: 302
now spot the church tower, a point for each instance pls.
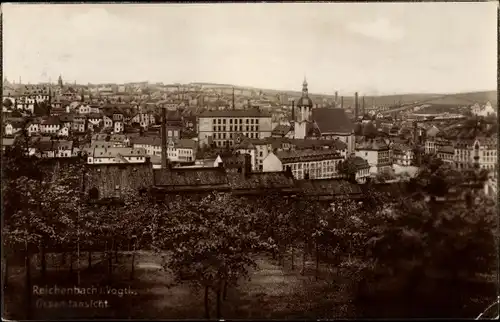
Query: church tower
x: 304, y: 106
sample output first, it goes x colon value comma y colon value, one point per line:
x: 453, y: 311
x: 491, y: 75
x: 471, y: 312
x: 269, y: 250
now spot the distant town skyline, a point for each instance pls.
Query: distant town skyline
x: 375, y: 48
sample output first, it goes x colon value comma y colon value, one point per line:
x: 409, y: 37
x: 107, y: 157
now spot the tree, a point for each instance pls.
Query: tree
x: 7, y: 103
x: 348, y: 169
x: 420, y: 240
x: 369, y: 130
x: 209, y: 242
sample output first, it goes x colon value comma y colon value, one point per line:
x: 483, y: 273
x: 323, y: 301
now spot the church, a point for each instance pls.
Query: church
x: 309, y: 122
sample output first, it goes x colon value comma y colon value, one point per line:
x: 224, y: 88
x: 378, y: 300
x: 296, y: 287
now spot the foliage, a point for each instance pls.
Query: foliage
x: 7, y: 103
x: 348, y: 169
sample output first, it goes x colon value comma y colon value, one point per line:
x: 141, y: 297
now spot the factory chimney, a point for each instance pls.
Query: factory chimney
x: 342, y: 102
x: 336, y: 98
x: 164, y: 138
x: 363, y: 106
x: 293, y: 110
x: 233, y: 99
x: 356, y: 106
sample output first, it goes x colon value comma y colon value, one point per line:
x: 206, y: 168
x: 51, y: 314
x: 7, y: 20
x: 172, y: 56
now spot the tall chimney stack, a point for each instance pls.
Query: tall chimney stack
x: 336, y: 98
x: 356, y: 106
x: 293, y: 110
x: 363, y: 106
x: 233, y: 99
x: 164, y: 138
x: 342, y: 102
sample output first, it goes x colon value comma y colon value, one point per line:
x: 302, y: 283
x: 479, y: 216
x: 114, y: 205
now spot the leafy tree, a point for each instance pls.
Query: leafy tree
x: 369, y: 130
x: 7, y: 103
x: 420, y: 240
x: 209, y: 242
x: 348, y: 169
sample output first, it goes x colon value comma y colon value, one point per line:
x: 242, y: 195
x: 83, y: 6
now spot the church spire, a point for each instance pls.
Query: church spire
x: 305, y: 91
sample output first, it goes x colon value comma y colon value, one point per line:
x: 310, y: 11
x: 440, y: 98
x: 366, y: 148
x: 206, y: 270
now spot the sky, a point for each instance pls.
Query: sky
x: 372, y: 48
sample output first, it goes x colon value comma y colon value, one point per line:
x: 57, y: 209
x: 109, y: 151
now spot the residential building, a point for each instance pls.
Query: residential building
x: 79, y: 123
x: 63, y: 132
x: 485, y: 153
x: 377, y: 153
x: 151, y: 144
x: 108, y: 122
x: 116, y: 155
x: 186, y: 150
x: 305, y: 164
x: 430, y: 140
x: 12, y: 127
x: 63, y: 149
x: 402, y: 154
x: 50, y: 125
x: 362, y: 168
x: 118, y: 127
x: 33, y: 127
x: 119, y: 140
x: 94, y: 118
x: 66, y: 120
x: 446, y: 153
x: 222, y: 127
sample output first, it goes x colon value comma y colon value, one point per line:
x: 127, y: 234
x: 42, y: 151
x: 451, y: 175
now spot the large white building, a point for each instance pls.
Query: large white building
x: 115, y: 155
x: 223, y: 127
x: 305, y: 164
x: 181, y: 151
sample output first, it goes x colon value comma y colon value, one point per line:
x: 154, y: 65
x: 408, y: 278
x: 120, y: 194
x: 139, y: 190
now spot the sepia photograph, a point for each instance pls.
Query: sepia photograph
x: 223, y: 161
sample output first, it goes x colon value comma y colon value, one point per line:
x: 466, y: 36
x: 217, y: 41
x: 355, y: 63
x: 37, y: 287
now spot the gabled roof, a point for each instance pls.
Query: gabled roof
x: 307, y: 155
x: 281, y: 129
x: 372, y: 144
x: 359, y: 162
x: 146, y: 140
x: 446, y: 149
x: 186, y: 144
x: 332, y: 120
x: 63, y: 145
x: 236, y: 113
x: 52, y: 120
x: 310, y: 144
x: 117, y: 137
x: 114, y: 152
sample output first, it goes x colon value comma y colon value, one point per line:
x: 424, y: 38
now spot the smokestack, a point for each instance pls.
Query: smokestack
x: 164, y: 138
x: 342, y: 102
x: 293, y: 110
x: 336, y: 98
x: 233, y: 99
x: 363, y: 106
x: 356, y: 106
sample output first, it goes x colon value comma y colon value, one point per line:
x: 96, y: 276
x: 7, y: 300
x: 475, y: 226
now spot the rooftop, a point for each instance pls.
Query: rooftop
x: 332, y: 120
x: 307, y: 155
x: 236, y: 113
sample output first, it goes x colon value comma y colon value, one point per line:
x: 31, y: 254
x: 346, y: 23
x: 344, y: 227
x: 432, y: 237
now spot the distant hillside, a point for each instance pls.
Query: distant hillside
x: 389, y: 100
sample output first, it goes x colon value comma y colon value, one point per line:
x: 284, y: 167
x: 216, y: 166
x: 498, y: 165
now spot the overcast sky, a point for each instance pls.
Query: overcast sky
x: 372, y: 48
